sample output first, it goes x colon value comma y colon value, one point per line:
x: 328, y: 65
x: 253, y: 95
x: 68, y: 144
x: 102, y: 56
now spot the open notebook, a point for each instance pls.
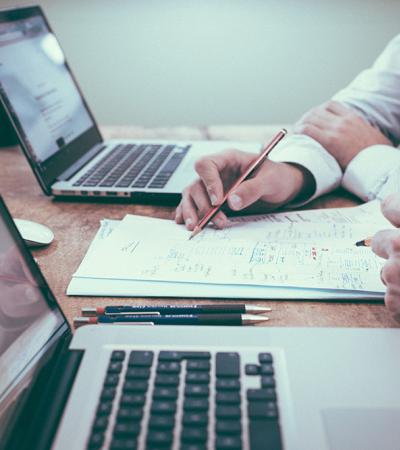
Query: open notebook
x: 290, y: 255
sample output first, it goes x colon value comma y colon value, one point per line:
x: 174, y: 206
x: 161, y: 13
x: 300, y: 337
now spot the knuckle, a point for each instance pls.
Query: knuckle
x: 395, y: 243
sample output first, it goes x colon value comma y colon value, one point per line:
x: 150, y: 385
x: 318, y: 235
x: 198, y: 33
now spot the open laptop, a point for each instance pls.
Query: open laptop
x: 144, y: 387
x: 59, y: 135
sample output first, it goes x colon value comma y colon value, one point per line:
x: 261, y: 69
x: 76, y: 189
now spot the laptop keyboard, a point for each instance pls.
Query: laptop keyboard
x: 136, y: 166
x: 186, y: 400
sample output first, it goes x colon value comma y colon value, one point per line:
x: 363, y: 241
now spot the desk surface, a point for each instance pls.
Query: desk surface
x: 75, y: 224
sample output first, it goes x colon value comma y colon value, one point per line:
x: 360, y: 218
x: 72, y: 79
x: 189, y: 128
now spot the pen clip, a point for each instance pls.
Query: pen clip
x: 137, y: 313
x: 134, y: 323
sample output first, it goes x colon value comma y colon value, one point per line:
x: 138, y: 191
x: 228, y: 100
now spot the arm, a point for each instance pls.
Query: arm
x: 361, y: 124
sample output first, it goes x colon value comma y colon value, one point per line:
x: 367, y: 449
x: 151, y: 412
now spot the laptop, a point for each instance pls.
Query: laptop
x: 190, y: 388
x: 58, y: 133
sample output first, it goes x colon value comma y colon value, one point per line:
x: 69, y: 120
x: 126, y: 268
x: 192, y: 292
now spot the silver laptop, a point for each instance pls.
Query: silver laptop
x: 58, y: 133
x: 143, y: 387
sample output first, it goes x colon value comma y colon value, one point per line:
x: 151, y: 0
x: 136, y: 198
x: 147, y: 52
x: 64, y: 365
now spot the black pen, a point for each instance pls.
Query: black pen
x: 238, y: 308
x: 184, y: 319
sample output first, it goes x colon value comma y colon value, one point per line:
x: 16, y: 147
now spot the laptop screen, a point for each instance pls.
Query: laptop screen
x: 39, y: 88
x: 29, y: 317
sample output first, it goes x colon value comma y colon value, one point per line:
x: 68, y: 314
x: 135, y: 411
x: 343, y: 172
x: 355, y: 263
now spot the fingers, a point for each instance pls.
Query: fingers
x: 310, y: 130
x: 391, y: 278
x: 386, y: 243
x: 246, y: 194
x: 194, y: 205
x: 210, y: 168
x: 390, y: 207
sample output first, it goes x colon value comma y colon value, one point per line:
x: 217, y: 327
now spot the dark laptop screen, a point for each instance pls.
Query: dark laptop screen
x: 29, y: 317
x: 39, y: 88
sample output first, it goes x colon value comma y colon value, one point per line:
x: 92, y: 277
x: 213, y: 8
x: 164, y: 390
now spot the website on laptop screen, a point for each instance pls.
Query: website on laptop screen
x: 37, y: 84
x: 27, y: 321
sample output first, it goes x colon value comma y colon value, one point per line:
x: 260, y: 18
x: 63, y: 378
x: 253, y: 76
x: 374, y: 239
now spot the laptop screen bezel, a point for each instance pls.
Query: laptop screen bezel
x: 48, y: 172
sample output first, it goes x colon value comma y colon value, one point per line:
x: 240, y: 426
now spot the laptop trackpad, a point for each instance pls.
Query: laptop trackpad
x: 362, y: 428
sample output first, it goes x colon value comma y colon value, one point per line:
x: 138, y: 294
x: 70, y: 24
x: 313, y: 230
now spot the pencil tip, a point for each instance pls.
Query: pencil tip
x: 194, y: 232
x: 360, y: 244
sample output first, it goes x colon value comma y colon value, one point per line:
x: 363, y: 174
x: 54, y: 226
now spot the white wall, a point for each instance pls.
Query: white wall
x: 168, y: 62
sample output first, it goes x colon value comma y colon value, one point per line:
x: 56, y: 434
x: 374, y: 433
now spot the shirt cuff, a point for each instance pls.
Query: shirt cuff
x: 306, y: 152
x: 369, y: 171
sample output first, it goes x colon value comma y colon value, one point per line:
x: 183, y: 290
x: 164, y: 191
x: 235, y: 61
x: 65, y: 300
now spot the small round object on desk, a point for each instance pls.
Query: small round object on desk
x: 34, y: 234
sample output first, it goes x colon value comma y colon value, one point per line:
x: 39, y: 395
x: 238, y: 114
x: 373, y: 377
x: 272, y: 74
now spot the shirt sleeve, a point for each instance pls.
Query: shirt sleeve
x: 308, y: 153
x: 375, y: 92
x: 374, y: 173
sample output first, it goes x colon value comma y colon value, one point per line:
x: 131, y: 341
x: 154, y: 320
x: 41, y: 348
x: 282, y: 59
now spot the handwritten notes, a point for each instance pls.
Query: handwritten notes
x: 309, y: 249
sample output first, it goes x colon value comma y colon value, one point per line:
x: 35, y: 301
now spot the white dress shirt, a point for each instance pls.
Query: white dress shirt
x: 375, y: 171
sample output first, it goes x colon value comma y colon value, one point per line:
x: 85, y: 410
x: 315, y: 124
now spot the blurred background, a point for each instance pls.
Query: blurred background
x: 197, y: 62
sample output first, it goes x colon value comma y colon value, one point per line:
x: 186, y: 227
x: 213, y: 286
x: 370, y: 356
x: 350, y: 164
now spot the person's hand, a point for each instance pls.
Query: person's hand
x: 386, y: 244
x: 273, y: 185
x: 340, y: 130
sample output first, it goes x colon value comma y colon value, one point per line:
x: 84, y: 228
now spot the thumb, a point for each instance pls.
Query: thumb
x: 391, y: 208
x: 246, y: 194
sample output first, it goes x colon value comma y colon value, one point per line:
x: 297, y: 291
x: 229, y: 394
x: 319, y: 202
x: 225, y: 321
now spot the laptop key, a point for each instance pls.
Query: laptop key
x: 229, y: 442
x: 163, y: 407
x: 165, y: 393
x: 165, y: 421
x: 129, y: 414
x: 166, y: 380
x: 252, y: 369
x: 169, y: 367
x: 227, y: 412
x: 135, y: 386
x: 140, y: 373
x: 265, y: 358
x: 159, y: 438
x: 226, y: 397
x: 261, y: 394
x: 198, y: 365
x: 108, y: 393
x: 228, y: 427
x: 267, y: 381
x: 228, y: 384
x: 196, y: 419
x: 104, y: 409
x: 267, y: 369
x: 196, y: 404
x: 193, y: 435
x: 96, y: 441
x: 264, y: 434
x: 132, y: 399
x: 111, y: 380
x: 140, y: 359
x: 100, y: 423
x: 197, y: 378
x: 197, y: 390
x: 123, y: 444
x: 262, y: 410
x: 227, y: 365
x: 117, y: 355
x: 114, y: 367
x: 125, y: 429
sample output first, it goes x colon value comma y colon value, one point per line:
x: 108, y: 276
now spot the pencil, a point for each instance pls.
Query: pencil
x: 246, y: 174
x: 365, y: 242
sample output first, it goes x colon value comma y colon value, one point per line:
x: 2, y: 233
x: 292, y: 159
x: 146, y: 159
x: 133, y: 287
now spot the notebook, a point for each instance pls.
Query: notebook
x: 290, y: 255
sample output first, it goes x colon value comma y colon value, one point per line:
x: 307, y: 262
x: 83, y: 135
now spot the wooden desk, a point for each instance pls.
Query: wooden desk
x: 75, y: 224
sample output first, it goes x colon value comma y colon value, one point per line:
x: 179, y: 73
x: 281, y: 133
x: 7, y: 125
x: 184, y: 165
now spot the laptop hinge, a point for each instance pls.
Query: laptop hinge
x: 45, y: 404
x: 82, y: 161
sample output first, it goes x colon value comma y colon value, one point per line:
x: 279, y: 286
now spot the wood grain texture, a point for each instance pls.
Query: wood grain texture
x: 75, y: 224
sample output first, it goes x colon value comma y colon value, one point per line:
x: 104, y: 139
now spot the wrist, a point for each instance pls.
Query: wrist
x: 302, y: 183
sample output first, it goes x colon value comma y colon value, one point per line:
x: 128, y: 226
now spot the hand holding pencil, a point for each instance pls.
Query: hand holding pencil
x: 272, y: 185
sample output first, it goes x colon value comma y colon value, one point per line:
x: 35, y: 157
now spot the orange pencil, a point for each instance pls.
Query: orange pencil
x: 246, y: 174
